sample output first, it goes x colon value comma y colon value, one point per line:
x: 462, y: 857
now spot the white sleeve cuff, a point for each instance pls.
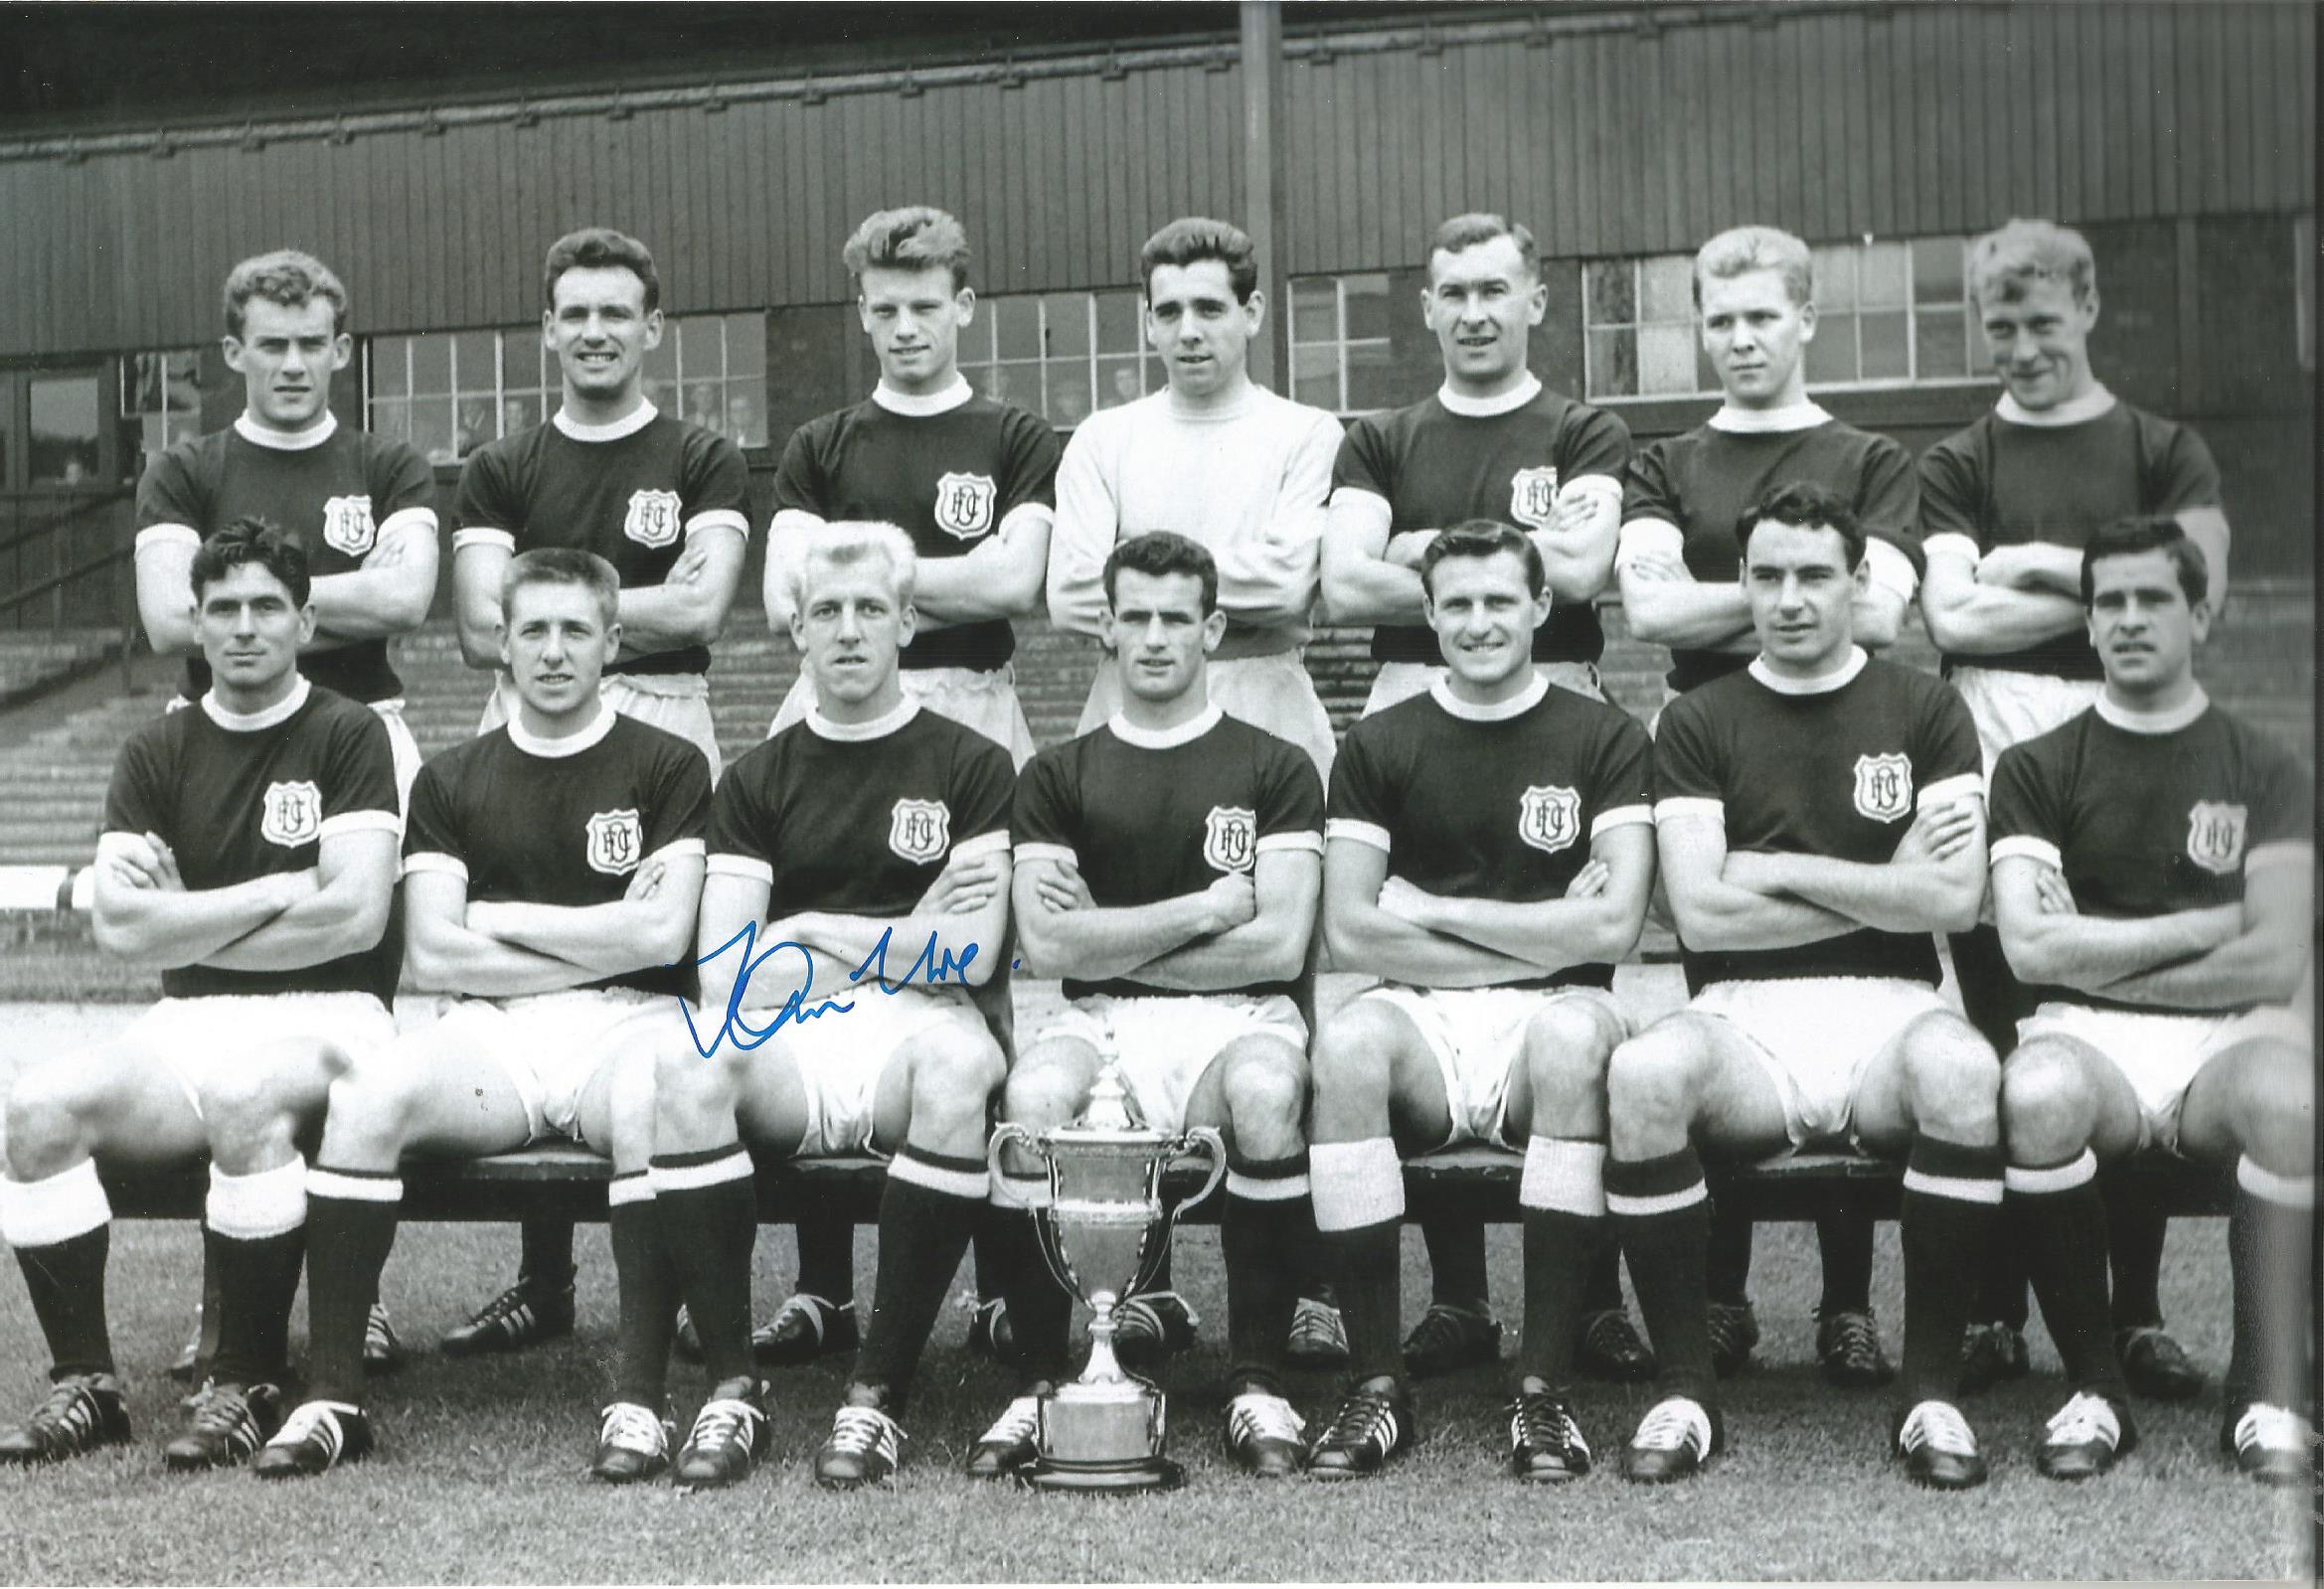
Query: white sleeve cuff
x: 1027, y: 513
x: 678, y: 848
x: 419, y: 520
x: 790, y: 521
x: 478, y: 535
x: 1369, y: 833
x: 1600, y: 487
x: 117, y: 842
x: 2023, y: 845
x: 719, y: 518
x: 359, y: 822
x: 1951, y: 544
x: 164, y: 535
x: 1619, y: 817
x: 1062, y: 853
x: 983, y: 844
x: 1944, y: 792
x: 731, y: 866
x: 2261, y: 857
x: 1308, y: 841
x: 1369, y: 503
x: 1650, y: 538
x: 435, y: 860
x: 1678, y: 806
x: 1890, y: 568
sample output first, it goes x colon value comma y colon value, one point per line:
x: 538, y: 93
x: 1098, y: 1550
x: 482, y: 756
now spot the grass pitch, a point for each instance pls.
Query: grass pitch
x: 481, y: 1476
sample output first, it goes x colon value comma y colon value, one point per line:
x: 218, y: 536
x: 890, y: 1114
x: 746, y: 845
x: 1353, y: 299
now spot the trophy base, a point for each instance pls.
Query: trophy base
x: 1130, y: 1476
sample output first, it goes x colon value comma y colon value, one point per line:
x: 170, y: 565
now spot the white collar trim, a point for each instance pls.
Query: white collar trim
x: 1821, y: 685
x: 1508, y: 402
x: 919, y: 405
x: 571, y: 744
x: 2073, y: 411
x: 2169, y: 720
x: 1187, y: 733
x: 1805, y: 414
x: 265, y: 435
x: 855, y: 732
x: 1536, y: 686
x: 629, y: 424
x: 265, y: 716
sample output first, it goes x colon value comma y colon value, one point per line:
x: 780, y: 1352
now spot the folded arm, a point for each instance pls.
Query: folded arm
x: 2048, y: 941
x: 1361, y: 585
x: 956, y: 929
x: 1000, y: 577
x: 1598, y: 922
x: 1714, y: 912
x: 2263, y: 963
x: 1578, y: 546
x: 1089, y: 521
x: 443, y: 954
x: 477, y: 567
x: 1270, y: 947
x: 650, y: 926
x: 164, y: 567
x: 346, y: 914
x: 1095, y: 942
x: 689, y: 608
x: 1968, y: 614
x: 141, y: 913
x: 389, y: 594
x: 1933, y: 882
x: 1363, y: 936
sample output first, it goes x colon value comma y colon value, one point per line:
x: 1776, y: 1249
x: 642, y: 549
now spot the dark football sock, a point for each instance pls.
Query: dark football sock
x: 1359, y: 1192
x: 1952, y: 1197
x: 2001, y: 1281
x: 1660, y: 1212
x: 254, y: 1233
x: 351, y: 1229
x: 1562, y: 1202
x: 2135, y: 1229
x: 827, y: 1255
x: 2055, y: 1212
x: 1844, y: 1240
x: 546, y: 1263
x: 649, y: 1292
x: 1602, y: 1290
x: 1267, y: 1220
x: 926, y: 1213
x: 66, y: 1280
x: 705, y: 1210
x: 1456, y: 1261
x: 2272, y: 1262
x: 1726, y: 1265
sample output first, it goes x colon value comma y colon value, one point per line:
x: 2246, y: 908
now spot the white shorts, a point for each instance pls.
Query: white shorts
x: 1478, y: 1036
x: 2011, y: 707
x: 198, y: 1038
x: 983, y: 698
x: 1814, y: 1036
x: 841, y: 1054
x: 2160, y: 1054
x: 550, y: 1045
x: 678, y: 702
x: 1165, y: 1043
x: 1272, y: 693
x: 1401, y: 681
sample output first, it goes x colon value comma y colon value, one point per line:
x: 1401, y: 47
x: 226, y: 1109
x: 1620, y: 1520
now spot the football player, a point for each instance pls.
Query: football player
x: 973, y: 481
x: 867, y: 846
x: 552, y: 868
x: 250, y: 851
x: 1167, y: 870
x: 2006, y: 506
x: 1818, y: 816
x: 2152, y: 875
x: 665, y: 503
x: 1491, y: 853
x: 1755, y: 299
x: 1491, y: 444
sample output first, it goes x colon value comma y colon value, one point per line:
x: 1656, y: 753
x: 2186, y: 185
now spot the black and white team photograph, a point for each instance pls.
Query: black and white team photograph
x: 1248, y: 790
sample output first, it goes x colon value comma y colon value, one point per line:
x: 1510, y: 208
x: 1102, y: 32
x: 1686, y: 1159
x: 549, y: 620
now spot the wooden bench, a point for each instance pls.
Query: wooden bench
x: 570, y: 1181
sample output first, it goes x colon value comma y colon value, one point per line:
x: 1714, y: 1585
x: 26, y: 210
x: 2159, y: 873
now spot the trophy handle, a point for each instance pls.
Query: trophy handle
x: 1006, y: 1132
x: 1213, y: 1147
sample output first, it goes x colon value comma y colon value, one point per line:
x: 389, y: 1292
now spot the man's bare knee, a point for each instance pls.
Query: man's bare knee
x: 1356, y: 1055
x: 1265, y: 1088
x: 1045, y: 1087
x: 1655, y: 1080
x: 369, y: 1118
x: 1953, y: 1079
x: 955, y: 1069
x: 49, y: 1121
x: 2049, y: 1111
x: 2279, y: 1109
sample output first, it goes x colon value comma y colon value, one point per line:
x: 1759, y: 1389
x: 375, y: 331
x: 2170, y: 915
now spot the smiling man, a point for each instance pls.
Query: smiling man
x: 249, y: 851
x: 667, y: 503
x: 2006, y: 508
x: 551, y: 872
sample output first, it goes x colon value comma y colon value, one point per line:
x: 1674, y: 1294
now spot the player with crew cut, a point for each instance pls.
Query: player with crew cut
x: 667, y: 503
x: 551, y: 868
x: 973, y: 481
x: 858, y: 885
x: 250, y: 851
x: 2153, y: 877
x: 1818, y: 816
x: 1755, y: 300
x: 1492, y: 442
x: 1491, y: 855
x: 1167, y: 868
x: 2006, y: 508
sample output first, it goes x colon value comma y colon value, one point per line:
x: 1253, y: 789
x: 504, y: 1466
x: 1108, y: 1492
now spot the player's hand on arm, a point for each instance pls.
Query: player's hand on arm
x: 1663, y: 601
x: 1595, y: 922
x: 1000, y: 576
x: 1363, y: 936
x: 964, y: 887
x: 687, y: 610
x: 1966, y: 614
x: 1087, y: 522
x: 1271, y: 916
x: 477, y: 567
x: 650, y: 926
x: 1406, y: 548
x: 1272, y: 576
x: 2264, y: 961
x: 164, y: 567
x: 1095, y: 942
x: 1720, y: 902
x: 142, y: 912
x: 2033, y: 565
x: 1360, y: 584
x: 389, y: 595
x: 924, y: 946
x: 1933, y: 882
x: 346, y: 914
x: 2048, y: 944
x: 1577, y: 547
x: 443, y: 954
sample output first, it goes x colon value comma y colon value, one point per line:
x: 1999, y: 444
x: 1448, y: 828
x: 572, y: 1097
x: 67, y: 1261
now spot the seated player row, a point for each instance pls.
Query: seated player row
x: 1492, y: 842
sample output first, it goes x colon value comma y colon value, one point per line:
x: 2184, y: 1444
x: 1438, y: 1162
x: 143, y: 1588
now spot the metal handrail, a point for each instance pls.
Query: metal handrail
x: 71, y: 509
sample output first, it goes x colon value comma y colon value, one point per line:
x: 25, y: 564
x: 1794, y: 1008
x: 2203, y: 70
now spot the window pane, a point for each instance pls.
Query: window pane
x: 1314, y: 314
x: 1835, y: 280
x: 746, y: 345
x: 1367, y: 307
x: 1067, y: 324
x: 519, y: 411
x: 663, y: 394
x: 1117, y: 380
x: 1883, y: 346
x: 1613, y: 364
x: 520, y: 361
x: 1609, y: 293
x: 431, y: 428
x: 388, y: 377
x: 1069, y: 394
x: 431, y: 364
x: 1315, y: 376
x: 661, y: 364
x: 472, y: 361
x: 1118, y: 322
x: 1670, y: 287
x: 64, y: 411
x: 701, y: 349
x: 705, y: 404
x: 1706, y: 373
x: 1941, y: 343
x: 1017, y: 324
x: 1881, y: 275
x: 745, y: 411
x: 472, y: 425
x: 1832, y: 355
x: 392, y: 416
x: 1937, y: 270
x: 1666, y: 358
x: 1006, y: 384
x: 1371, y: 377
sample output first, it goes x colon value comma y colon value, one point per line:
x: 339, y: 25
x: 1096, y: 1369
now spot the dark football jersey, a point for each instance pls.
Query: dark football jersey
x: 1839, y: 771
x: 860, y: 818
x: 2003, y: 484
x: 242, y: 797
x: 1500, y: 803
x: 2149, y: 815
x: 1703, y: 480
x: 1146, y: 817
x: 561, y: 822
x: 1434, y: 468
x: 948, y: 478
x: 338, y: 495
x: 631, y: 492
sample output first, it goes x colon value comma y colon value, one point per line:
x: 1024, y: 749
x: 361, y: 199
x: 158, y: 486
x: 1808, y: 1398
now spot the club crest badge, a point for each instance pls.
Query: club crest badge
x: 1884, y: 786
x: 2215, y: 836
x: 1231, y: 837
x: 652, y: 520
x: 347, y: 525
x: 1533, y: 497
x: 965, y: 504
x: 292, y: 814
x: 1549, y: 818
x: 920, y: 830
x: 617, y: 843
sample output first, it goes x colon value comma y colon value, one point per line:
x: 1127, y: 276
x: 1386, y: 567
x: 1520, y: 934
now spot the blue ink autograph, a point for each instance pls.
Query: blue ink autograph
x: 932, y: 965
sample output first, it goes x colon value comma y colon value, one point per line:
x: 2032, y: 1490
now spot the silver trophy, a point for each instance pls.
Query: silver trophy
x: 1106, y: 1220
